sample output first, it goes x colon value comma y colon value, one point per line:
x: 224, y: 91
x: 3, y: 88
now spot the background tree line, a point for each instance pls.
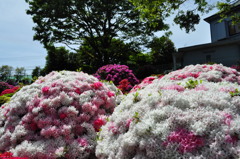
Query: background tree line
x: 101, y: 32
x: 11, y: 75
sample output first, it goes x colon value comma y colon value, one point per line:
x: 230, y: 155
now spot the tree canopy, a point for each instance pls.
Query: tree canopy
x: 161, y: 50
x: 98, y: 22
x: 186, y: 13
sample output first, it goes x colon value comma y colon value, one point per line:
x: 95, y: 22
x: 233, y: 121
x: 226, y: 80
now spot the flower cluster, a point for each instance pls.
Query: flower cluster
x: 10, y: 91
x: 4, y: 85
x: 56, y: 116
x: 124, y: 86
x: 211, y: 73
x: 146, y: 81
x: 9, y: 155
x: 117, y: 73
x: 237, y: 67
x: 177, y: 117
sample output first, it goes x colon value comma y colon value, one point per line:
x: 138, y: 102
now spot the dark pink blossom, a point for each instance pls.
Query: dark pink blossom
x: 45, y: 89
x: 98, y: 123
x: 97, y: 85
x: 188, y: 141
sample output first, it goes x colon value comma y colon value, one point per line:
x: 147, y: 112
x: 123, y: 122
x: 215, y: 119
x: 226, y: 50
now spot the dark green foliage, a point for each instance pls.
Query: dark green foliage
x: 118, y: 53
x: 97, y: 27
x: 36, y: 72
x: 162, y: 49
x: 58, y: 59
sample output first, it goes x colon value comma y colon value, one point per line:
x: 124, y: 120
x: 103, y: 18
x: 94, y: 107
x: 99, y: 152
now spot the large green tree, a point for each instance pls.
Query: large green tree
x: 120, y: 52
x: 161, y: 50
x: 98, y: 22
x: 59, y: 58
x: 186, y: 13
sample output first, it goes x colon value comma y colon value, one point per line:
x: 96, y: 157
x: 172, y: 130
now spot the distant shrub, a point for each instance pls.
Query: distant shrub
x: 116, y: 73
x: 10, y: 91
x: 3, y: 86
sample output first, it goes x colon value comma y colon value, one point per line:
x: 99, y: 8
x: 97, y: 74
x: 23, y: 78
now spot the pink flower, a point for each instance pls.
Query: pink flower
x: 231, y: 138
x: 83, y: 142
x: 33, y: 126
x: 110, y: 94
x: 187, y: 141
x: 78, y: 91
x: 45, y: 89
x: 113, y: 128
x: 128, y: 122
x: 174, y: 87
x: 201, y: 88
x: 227, y: 119
x: 62, y: 115
x: 9, y: 155
x: 98, y: 123
x: 97, y: 85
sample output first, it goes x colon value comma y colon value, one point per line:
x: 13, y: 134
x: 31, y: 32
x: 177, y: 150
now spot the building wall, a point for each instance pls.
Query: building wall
x: 226, y: 55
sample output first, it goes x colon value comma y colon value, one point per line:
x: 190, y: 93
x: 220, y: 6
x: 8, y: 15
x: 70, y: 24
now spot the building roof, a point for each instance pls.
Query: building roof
x: 235, y: 40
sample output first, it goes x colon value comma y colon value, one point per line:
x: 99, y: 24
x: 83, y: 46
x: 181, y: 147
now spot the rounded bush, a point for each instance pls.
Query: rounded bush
x: 211, y: 73
x: 116, y: 73
x: 56, y: 116
x: 3, y: 86
x: 175, y: 119
x: 10, y: 91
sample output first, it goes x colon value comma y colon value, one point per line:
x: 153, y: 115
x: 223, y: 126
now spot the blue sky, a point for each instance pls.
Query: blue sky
x: 18, y: 49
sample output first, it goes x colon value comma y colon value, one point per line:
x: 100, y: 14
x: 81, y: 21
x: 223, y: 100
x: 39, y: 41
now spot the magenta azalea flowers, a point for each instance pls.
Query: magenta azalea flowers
x: 117, y: 74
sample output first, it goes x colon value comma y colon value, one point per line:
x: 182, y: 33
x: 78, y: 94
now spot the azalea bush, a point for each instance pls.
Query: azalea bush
x: 10, y: 91
x: 4, y: 85
x: 182, y: 115
x: 56, y: 116
x: 211, y: 73
x: 117, y: 73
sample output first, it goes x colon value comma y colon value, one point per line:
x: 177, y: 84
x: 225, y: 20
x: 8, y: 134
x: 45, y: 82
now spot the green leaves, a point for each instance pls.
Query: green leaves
x: 235, y: 93
x: 136, y: 117
x: 136, y: 97
x: 190, y: 84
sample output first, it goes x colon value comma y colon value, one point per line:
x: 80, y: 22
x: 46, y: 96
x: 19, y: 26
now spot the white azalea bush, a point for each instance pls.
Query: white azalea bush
x: 56, y: 116
x: 172, y: 119
x: 211, y: 73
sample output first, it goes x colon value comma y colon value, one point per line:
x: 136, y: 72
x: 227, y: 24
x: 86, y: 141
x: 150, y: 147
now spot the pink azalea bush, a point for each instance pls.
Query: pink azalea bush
x: 56, y: 116
x: 4, y: 85
x: 177, y: 118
